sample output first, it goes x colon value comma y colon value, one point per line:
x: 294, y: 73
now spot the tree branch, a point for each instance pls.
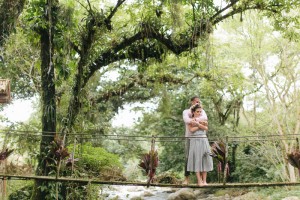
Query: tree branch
x: 9, y: 12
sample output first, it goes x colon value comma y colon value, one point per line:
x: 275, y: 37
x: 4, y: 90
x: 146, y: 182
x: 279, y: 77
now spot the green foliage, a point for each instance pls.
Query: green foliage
x: 82, y: 191
x: 20, y: 190
x: 131, y: 170
x: 172, y: 155
x: 253, y: 165
x: 19, y: 64
x: 86, y: 48
x: 97, y: 159
x: 167, y: 122
x: 36, y: 15
x: 128, y: 149
x: 278, y: 193
x: 24, y: 140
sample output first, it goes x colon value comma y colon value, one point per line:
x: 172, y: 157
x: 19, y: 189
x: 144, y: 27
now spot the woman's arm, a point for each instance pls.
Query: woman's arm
x: 193, y: 128
x: 203, y: 126
x: 197, y: 127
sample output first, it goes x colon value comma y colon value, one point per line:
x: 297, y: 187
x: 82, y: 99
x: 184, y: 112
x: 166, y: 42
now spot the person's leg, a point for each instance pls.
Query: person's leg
x: 204, y: 176
x: 186, y: 180
x: 199, y: 179
x: 186, y: 172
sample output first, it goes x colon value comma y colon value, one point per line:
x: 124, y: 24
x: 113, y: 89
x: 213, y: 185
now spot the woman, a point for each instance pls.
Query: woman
x: 199, y: 159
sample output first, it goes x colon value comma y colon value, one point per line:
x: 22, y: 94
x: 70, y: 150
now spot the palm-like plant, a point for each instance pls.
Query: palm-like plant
x: 5, y: 153
x: 219, y: 152
x: 149, y: 162
x: 294, y: 159
x: 57, y: 148
x: 71, y: 160
x: 57, y: 152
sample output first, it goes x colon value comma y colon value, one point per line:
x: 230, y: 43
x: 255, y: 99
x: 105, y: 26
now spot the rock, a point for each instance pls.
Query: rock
x: 291, y: 198
x: 174, y: 190
x: 247, y: 196
x: 210, y: 196
x: 183, y: 194
x: 148, y: 194
x: 198, y: 192
x: 112, y: 188
x: 136, y: 198
x: 134, y: 189
x: 105, y: 194
x: 116, y: 198
x: 227, y: 197
x: 213, y: 197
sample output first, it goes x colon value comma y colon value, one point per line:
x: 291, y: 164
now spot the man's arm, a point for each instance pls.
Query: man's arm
x: 186, y: 118
x: 203, y: 115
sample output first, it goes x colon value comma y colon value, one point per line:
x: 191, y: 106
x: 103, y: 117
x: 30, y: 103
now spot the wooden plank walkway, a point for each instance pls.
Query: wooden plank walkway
x: 97, y: 181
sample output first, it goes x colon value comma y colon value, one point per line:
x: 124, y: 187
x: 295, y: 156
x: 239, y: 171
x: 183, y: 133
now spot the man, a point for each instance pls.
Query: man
x: 187, y: 118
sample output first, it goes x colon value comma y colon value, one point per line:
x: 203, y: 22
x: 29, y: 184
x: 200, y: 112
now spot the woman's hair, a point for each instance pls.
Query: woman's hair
x: 195, y: 107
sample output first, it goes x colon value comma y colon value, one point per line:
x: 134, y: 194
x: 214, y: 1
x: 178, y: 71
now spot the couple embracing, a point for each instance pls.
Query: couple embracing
x: 197, y: 148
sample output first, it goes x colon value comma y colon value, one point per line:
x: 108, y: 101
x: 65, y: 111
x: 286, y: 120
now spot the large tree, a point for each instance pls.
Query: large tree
x: 77, y: 45
x: 271, y: 64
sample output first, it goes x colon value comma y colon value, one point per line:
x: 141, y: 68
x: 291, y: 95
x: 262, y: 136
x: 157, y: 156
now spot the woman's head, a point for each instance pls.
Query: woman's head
x: 196, y: 110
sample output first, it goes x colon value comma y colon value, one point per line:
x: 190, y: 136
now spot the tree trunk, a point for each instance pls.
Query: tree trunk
x: 292, y: 173
x: 48, y: 109
x: 290, y: 169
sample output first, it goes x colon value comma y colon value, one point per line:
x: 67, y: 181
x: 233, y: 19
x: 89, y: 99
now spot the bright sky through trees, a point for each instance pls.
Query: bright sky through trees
x: 21, y: 110
x: 18, y: 110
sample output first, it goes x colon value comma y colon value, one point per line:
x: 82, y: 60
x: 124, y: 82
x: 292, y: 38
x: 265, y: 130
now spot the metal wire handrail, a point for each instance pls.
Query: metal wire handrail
x: 156, y: 137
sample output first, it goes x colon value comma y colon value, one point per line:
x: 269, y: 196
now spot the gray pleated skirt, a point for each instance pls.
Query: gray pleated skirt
x: 199, y: 159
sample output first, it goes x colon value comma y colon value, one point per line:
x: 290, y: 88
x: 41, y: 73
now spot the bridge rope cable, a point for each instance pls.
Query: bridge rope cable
x: 257, y: 138
x: 149, y: 136
x: 157, y: 138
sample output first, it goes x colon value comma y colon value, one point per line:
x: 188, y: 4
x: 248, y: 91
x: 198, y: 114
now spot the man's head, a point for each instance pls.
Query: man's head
x: 195, y: 100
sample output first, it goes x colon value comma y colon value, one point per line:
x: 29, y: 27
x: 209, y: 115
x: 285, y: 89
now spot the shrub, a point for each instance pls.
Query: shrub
x: 23, y: 193
x: 97, y: 160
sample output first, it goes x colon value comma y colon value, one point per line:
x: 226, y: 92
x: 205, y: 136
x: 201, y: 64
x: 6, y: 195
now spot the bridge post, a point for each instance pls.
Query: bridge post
x: 225, y: 161
x: 73, y: 157
x: 153, y: 143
